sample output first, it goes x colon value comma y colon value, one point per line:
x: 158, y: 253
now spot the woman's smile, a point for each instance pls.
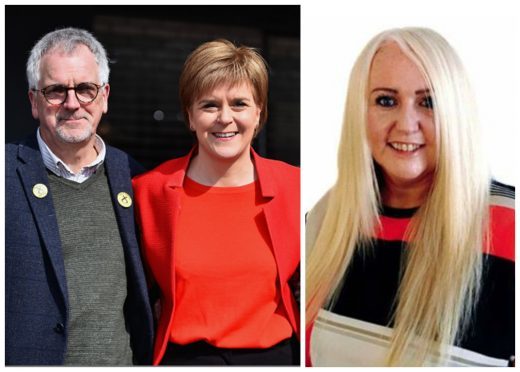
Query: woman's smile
x: 224, y: 120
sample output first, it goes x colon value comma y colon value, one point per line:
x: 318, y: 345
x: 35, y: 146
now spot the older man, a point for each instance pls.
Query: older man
x: 75, y: 286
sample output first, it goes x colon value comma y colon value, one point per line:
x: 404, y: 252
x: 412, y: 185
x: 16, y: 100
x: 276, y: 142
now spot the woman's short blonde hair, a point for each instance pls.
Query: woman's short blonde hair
x: 222, y: 62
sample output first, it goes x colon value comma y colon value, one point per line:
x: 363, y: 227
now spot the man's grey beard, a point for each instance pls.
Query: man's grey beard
x: 66, y: 137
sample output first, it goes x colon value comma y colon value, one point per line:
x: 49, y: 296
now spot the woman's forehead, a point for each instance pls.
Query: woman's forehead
x: 242, y: 85
x: 392, y: 67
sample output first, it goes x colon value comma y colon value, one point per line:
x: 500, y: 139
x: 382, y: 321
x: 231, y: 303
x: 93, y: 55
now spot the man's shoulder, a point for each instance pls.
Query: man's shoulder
x: 114, y: 152
x: 11, y: 149
x: 120, y: 158
x: 28, y: 141
x: 22, y: 149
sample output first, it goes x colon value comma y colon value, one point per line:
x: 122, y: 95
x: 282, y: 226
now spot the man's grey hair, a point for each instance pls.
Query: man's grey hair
x: 66, y: 40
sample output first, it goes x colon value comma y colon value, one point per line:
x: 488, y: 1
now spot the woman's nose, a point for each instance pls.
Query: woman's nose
x: 226, y: 115
x: 408, y: 119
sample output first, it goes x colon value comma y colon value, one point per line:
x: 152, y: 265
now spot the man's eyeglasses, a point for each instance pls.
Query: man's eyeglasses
x: 56, y: 94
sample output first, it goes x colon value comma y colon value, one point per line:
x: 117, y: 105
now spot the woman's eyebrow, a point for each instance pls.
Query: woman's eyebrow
x: 205, y: 100
x: 391, y: 90
x: 395, y: 91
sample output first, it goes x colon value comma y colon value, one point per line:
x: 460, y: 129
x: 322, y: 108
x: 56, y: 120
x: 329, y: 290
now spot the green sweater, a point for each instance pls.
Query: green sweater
x: 95, y: 270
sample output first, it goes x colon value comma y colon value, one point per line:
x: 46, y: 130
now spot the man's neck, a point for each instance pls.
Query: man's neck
x: 75, y: 155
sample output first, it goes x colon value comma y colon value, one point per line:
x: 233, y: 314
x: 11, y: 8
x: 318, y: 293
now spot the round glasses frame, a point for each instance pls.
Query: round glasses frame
x: 45, y: 92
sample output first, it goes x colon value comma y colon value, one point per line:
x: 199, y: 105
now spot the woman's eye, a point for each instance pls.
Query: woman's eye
x: 427, y: 102
x: 209, y: 105
x: 240, y: 103
x: 386, y: 101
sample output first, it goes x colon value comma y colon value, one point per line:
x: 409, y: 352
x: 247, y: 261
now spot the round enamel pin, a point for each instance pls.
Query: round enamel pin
x: 40, y: 190
x: 124, y: 199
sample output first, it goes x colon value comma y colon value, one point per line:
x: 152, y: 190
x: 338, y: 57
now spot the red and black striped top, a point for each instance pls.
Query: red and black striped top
x: 372, y: 280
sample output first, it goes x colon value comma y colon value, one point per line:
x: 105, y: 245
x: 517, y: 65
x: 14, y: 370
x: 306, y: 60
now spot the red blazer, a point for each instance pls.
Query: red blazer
x: 157, y: 197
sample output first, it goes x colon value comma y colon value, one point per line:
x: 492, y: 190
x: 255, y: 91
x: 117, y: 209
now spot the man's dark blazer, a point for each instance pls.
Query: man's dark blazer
x: 36, y: 300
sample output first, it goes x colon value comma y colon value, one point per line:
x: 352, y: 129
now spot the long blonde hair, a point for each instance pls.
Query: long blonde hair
x: 442, y: 268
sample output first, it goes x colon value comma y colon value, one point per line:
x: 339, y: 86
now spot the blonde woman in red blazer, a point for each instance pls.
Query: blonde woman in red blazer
x: 220, y: 226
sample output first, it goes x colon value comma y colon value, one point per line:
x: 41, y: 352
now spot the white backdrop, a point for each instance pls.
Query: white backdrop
x: 486, y: 38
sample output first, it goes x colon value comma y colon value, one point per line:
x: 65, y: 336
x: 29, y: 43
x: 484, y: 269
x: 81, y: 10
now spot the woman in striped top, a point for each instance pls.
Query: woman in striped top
x: 410, y: 256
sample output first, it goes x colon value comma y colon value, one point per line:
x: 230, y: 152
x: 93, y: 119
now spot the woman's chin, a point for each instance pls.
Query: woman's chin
x: 229, y: 153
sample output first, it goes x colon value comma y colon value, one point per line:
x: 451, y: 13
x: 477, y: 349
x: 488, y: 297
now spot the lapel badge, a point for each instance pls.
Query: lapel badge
x: 40, y: 190
x: 124, y: 199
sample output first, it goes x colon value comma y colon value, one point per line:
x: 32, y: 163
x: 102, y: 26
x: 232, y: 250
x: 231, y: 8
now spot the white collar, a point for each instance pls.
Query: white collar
x: 58, y: 166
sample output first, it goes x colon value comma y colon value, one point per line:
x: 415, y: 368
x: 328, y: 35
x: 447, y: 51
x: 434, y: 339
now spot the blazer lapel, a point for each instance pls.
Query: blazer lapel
x: 173, y: 189
x: 31, y: 172
x: 119, y: 180
x: 274, y: 211
x: 276, y: 215
x: 277, y: 223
